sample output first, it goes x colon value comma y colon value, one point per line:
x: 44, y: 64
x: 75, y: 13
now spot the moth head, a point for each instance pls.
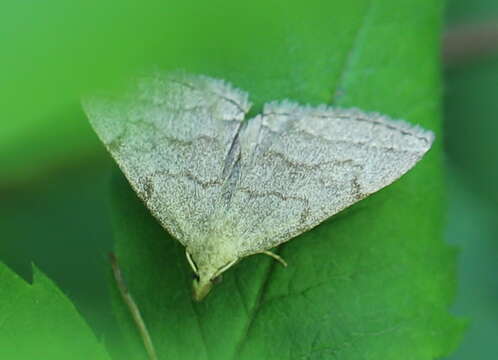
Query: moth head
x: 206, y: 276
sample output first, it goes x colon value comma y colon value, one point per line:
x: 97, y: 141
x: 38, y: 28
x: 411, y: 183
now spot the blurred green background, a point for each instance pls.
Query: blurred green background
x: 471, y: 126
x: 68, y: 233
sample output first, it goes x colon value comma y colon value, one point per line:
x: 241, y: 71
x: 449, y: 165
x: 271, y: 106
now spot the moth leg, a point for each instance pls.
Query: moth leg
x: 191, y: 262
x: 275, y: 256
x: 132, y: 306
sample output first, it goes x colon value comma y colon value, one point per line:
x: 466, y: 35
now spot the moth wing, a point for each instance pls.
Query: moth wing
x: 301, y: 165
x: 170, y: 135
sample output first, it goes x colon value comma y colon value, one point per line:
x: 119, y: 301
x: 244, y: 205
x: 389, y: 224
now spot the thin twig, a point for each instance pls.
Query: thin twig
x: 132, y: 306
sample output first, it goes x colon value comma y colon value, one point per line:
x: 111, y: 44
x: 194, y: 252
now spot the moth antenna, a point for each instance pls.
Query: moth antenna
x: 132, y: 306
x: 275, y: 256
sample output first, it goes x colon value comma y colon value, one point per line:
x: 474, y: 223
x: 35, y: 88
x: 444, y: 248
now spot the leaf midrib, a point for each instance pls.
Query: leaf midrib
x: 258, y: 302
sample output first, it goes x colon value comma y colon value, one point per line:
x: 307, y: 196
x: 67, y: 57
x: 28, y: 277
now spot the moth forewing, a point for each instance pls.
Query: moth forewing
x: 227, y: 187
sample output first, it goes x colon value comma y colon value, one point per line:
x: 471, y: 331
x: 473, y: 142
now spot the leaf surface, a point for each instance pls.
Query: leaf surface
x: 37, y: 321
x: 373, y: 282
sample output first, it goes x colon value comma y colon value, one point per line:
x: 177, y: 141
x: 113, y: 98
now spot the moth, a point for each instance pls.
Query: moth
x: 228, y: 187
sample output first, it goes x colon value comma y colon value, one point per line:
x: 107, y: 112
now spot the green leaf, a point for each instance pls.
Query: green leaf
x: 372, y: 282
x: 68, y: 235
x: 37, y: 321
